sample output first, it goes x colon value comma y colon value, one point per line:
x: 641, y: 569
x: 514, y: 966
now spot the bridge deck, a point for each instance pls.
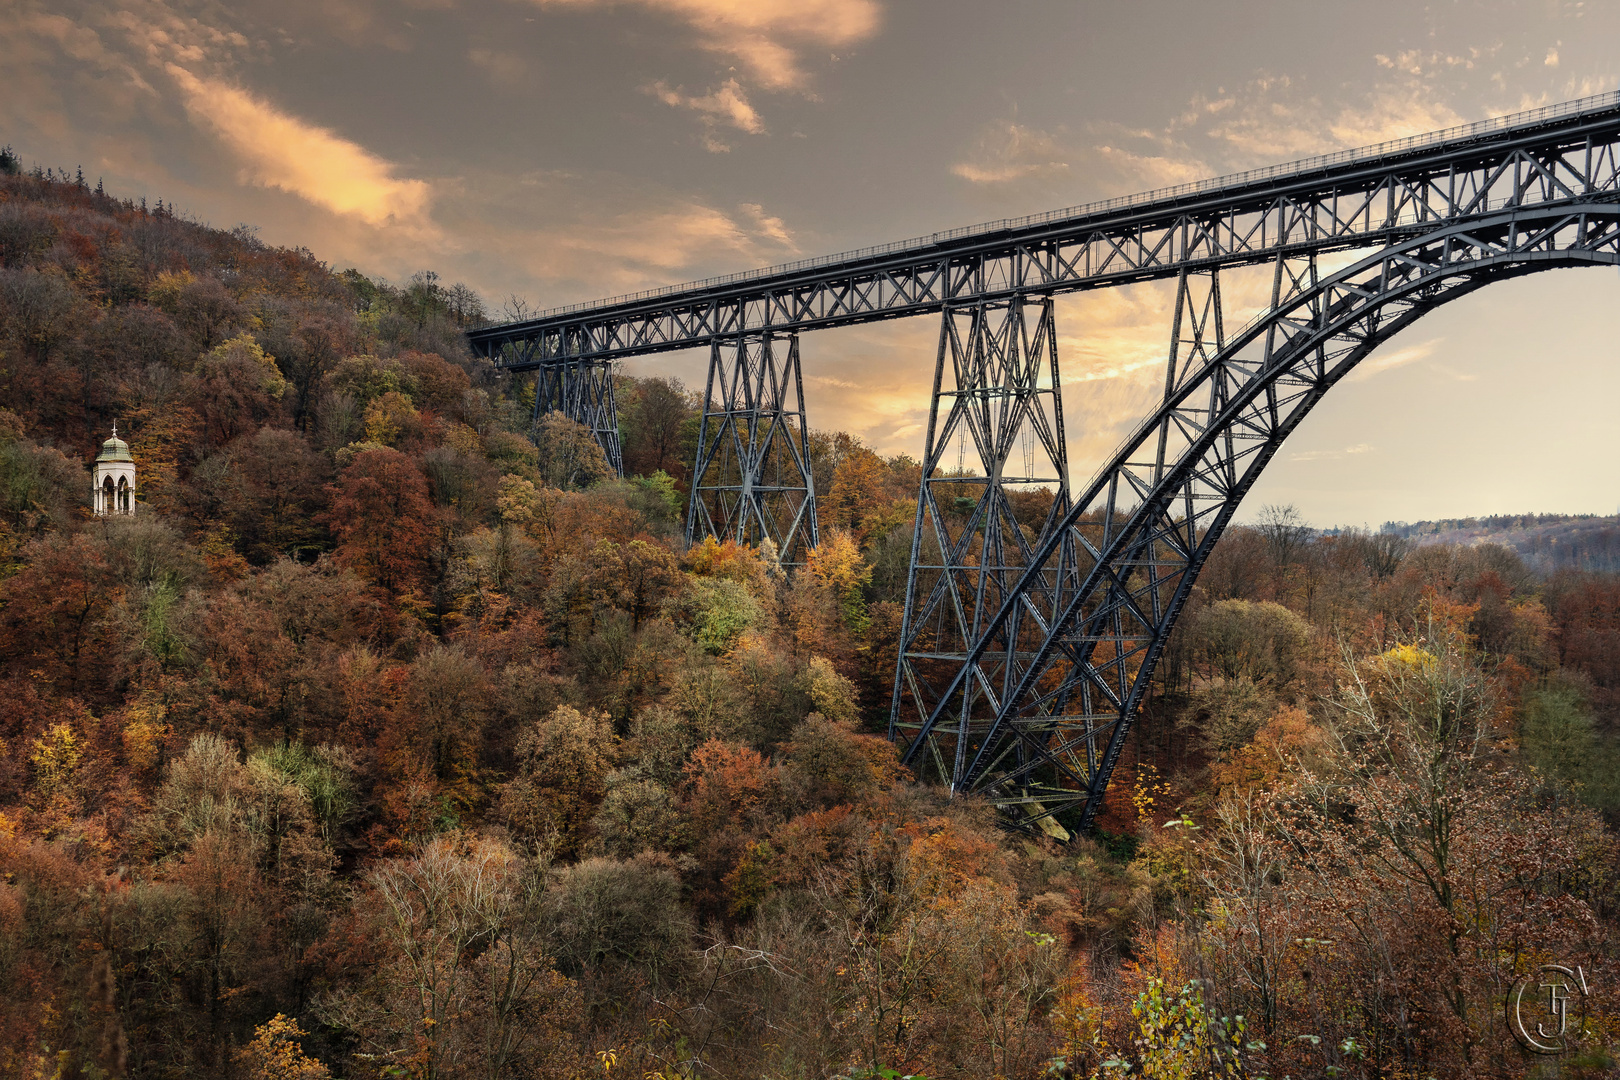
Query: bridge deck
x: 1319, y: 202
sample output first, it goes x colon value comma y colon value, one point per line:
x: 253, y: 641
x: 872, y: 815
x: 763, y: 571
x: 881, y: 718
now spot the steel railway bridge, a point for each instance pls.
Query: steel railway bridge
x: 1036, y: 611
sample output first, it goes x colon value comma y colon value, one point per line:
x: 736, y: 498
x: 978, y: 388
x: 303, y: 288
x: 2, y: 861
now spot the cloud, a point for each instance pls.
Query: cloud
x: 165, y: 37
x: 729, y: 104
x: 1392, y: 114
x: 1331, y: 455
x: 80, y: 43
x: 1275, y: 118
x: 1273, y: 121
x: 1153, y: 170
x: 283, y: 152
x: 765, y: 37
x: 1010, y: 151
x: 1380, y: 361
x: 769, y: 227
x: 57, y: 68
x: 654, y: 239
x: 1421, y: 64
x: 661, y: 241
x: 1568, y: 90
x: 503, y: 68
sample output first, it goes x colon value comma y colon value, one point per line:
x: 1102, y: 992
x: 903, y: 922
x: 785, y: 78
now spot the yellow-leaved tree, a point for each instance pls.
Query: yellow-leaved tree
x: 276, y: 1054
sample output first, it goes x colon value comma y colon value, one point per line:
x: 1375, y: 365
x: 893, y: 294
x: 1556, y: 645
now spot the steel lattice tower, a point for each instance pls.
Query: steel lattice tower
x: 582, y: 390
x: 752, y: 477
x: 995, y: 482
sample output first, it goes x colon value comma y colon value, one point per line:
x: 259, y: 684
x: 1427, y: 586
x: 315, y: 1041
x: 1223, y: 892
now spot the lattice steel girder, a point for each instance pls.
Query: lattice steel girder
x: 582, y: 390
x: 1376, y: 197
x: 1144, y: 526
x: 996, y: 408
x: 752, y: 478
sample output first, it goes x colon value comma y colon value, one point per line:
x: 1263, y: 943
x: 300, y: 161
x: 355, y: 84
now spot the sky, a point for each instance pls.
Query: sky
x: 547, y: 152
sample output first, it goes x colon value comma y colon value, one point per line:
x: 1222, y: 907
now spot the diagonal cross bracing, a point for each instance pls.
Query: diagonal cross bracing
x: 582, y: 390
x: 752, y: 480
x: 1107, y: 636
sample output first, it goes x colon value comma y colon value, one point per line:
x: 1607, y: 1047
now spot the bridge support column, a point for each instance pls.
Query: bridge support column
x: 582, y: 390
x: 1197, y: 331
x: 995, y: 486
x: 751, y: 480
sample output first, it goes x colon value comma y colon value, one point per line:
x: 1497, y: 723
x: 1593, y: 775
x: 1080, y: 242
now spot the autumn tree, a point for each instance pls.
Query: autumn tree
x: 382, y: 518
x: 828, y: 763
x: 56, y: 606
x: 238, y: 389
x: 563, y: 763
x: 856, y: 491
x: 462, y: 986
x: 656, y: 428
x: 40, y: 309
x: 610, y: 915
x: 570, y: 459
x: 39, y: 486
x: 446, y: 701
x: 201, y: 305
x: 1400, y: 872
x: 1254, y: 642
x: 276, y: 1053
x: 279, y: 495
x: 827, y: 603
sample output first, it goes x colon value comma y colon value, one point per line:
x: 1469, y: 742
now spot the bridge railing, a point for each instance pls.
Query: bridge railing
x: 1374, y: 152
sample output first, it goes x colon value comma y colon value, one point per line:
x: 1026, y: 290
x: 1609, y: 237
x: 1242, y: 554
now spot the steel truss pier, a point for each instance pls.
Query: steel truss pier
x: 752, y: 478
x: 582, y: 390
x: 1034, y: 620
x: 995, y: 484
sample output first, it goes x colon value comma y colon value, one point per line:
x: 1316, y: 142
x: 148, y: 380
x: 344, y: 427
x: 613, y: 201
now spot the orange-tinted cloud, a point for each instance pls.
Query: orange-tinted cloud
x: 729, y: 103
x: 650, y: 245
x: 1010, y: 151
x: 764, y: 37
x: 280, y: 151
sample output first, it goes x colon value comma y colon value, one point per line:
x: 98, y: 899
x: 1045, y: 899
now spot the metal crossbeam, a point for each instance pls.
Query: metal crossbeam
x: 752, y: 479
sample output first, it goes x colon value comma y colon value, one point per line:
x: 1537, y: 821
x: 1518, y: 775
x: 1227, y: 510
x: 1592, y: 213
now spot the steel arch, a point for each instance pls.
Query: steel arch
x: 1140, y: 532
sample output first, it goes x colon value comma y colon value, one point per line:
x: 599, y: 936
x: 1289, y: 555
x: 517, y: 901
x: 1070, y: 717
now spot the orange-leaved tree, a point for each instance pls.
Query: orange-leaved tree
x: 382, y: 518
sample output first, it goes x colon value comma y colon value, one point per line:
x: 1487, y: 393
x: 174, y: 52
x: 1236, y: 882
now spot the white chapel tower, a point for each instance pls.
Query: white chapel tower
x: 112, y: 478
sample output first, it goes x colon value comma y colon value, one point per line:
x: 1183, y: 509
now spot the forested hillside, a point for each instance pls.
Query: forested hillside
x: 1547, y: 542
x: 390, y: 738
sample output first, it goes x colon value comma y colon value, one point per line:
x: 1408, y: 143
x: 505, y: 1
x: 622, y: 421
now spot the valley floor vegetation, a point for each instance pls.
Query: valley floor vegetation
x: 388, y: 741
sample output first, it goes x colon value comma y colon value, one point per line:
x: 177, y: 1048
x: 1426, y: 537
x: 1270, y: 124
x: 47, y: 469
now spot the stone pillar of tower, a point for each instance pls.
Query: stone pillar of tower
x: 112, y: 478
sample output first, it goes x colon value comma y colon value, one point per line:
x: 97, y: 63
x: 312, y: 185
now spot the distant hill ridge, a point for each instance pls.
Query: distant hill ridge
x: 1547, y: 542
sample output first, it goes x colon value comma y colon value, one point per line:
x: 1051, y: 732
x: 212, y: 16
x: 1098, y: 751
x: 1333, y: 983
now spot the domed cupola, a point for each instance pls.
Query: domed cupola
x: 112, y: 478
